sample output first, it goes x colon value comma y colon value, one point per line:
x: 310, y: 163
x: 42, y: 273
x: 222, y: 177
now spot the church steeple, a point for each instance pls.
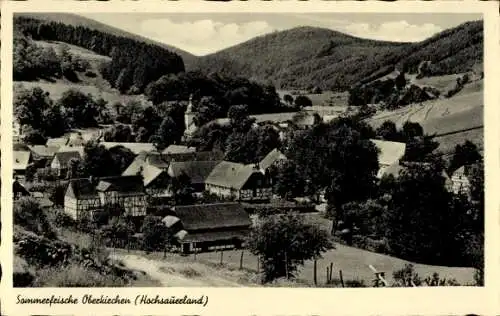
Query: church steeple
x: 189, y: 114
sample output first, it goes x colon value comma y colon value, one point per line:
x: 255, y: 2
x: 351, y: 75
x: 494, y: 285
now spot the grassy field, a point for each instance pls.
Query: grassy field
x: 206, y: 269
x: 75, y: 50
x: 58, y: 88
x: 327, y: 98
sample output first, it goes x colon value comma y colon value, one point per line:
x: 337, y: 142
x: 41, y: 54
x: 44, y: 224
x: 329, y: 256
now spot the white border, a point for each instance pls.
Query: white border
x: 273, y: 301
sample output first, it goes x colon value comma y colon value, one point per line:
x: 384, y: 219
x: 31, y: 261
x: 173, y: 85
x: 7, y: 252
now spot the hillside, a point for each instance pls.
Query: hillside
x: 77, y: 20
x: 459, y: 118
x: 332, y: 60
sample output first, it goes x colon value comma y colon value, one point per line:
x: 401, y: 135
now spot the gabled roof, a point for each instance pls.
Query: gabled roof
x: 271, y: 158
x: 81, y: 189
x: 230, y: 175
x: 65, y: 156
x: 21, y: 160
x: 390, y: 152
x: 212, y: 216
x: 178, y: 149
x: 44, y: 150
x: 123, y: 184
x: 150, y: 173
x: 464, y: 170
x: 197, y: 171
x: 79, y: 149
x: 198, y: 156
x: 59, y: 141
x: 136, y: 148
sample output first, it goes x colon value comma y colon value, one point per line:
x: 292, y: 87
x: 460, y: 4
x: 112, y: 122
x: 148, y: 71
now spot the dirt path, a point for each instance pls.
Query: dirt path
x: 171, y: 274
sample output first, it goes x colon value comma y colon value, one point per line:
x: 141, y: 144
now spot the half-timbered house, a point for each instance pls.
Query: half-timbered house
x: 126, y: 191
x: 61, y: 162
x: 239, y: 182
x: 81, y: 199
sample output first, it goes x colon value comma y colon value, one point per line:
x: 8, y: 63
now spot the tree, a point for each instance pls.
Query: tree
x: 182, y: 190
x: 411, y: 130
x: 302, y: 101
x: 80, y: 108
x: 423, y: 223
x: 284, y: 242
x: 239, y: 118
x: 75, y: 168
x: 464, y: 154
x: 122, y: 157
x: 207, y: 110
x: 289, y: 181
x: 388, y: 131
x: 98, y: 161
x: 400, y: 81
x: 33, y: 137
x: 29, y: 106
x: 118, y: 231
x: 155, y: 233
x: 119, y: 133
x: 167, y: 134
x: 288, y: 99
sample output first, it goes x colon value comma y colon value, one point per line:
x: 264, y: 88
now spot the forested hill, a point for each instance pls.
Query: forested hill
x: 77, y: 20
x: 134, y: 64
x: 305, y: 57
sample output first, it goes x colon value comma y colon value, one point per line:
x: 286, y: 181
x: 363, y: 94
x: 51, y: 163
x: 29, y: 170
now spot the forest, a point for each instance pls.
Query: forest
x: 133, y: 65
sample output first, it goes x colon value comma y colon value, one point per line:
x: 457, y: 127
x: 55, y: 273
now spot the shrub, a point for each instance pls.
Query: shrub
x: 29, y: 214
x: 74, y: 275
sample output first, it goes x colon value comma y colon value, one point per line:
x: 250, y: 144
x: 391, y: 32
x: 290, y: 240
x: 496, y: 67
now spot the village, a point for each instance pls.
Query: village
x: 128, y: 158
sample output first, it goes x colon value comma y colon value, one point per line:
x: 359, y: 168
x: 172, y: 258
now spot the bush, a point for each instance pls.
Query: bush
x: 74, y: 275
x: 29, y: 214
x: 62, y: 219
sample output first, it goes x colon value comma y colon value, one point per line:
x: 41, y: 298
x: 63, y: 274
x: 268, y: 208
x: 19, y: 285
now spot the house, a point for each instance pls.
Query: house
x: 61, y: 162
x: 43, y: 152
x: 19, y: 190
x: 136, y: 148
x: 85, y: 196
x: 178, y: 149
x: 22, y: 160
x: 126, y: 191
x: 58, y: 142
x: 206, y: 227
x: 197, y: 171
x: 461, y: 180
x: 238, y: 181
x: 274, y: 158
x: 156, y: 169
x: 81, y: 198
x: 389, y: 154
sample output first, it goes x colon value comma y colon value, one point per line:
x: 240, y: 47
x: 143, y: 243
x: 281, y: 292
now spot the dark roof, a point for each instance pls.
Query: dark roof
x: 81, y: 189
x: 199, y: 156
x: 65, y: 156
x: 212, y: 216
x: 212, y: 236
x: 197, y: 171
x: 121, y: 183
x: 230, y: 175
x: 17, y: 187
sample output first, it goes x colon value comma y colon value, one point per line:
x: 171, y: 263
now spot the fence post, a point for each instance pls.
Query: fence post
x: 286, y: 265
x: 327, y: 275
x: 241, y: 260
x: 331, y: 271
x: 315, y: 272
x: 341, y: 278
x: 258, y: 264
x: 221, y: 256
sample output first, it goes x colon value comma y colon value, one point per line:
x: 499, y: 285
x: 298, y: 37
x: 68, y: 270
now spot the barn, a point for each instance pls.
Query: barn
x: 207, y: 227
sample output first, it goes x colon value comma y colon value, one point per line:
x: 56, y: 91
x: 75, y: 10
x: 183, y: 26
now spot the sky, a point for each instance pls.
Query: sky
x: 205, y: 33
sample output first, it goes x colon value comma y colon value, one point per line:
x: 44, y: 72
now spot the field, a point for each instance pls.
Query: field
x: 204, y: 269
x: 327, y: 98
x: 96, y: 86
x: 56, y: 90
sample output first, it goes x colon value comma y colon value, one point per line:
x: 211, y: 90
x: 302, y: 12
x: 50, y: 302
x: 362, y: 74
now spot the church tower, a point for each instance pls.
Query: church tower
x: 189, y: 114
x: 189, y: 119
